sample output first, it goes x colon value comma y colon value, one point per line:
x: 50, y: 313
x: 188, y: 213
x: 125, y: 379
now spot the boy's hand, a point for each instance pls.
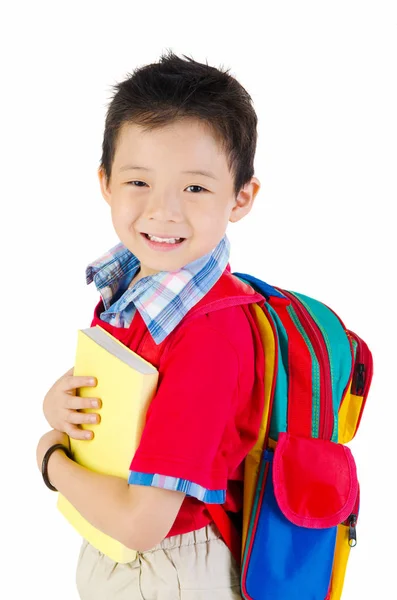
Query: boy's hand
x: 61, y: 406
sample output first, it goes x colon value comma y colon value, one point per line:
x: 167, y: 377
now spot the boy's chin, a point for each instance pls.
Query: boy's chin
x: 164, y: 265
x: 173, y: 260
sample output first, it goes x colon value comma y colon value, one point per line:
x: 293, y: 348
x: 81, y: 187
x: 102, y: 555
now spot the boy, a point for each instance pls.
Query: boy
x: 177, y: 166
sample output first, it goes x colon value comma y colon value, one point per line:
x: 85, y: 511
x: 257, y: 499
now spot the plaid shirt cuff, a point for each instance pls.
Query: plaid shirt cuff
x: 178, y: 485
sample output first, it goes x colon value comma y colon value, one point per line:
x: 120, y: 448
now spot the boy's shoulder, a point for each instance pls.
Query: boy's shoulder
x: 223, y: 309
x: 228, y: 291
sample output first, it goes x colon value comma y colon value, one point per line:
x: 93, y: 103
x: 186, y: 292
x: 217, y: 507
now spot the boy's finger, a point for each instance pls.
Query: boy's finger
x: 77, y: 402
x: 77, y: 433
x: 77, y: 381
x: 77, y: 418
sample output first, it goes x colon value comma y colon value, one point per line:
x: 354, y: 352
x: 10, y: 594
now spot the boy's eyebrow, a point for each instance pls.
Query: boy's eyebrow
x: 204, y: 173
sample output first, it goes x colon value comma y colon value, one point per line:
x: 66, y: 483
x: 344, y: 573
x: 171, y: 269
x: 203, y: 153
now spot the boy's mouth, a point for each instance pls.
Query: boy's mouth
x: 163, y: 238
x: 162, y: 242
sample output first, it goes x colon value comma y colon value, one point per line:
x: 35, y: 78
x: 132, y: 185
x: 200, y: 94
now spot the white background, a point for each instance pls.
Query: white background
x: 322, y: 76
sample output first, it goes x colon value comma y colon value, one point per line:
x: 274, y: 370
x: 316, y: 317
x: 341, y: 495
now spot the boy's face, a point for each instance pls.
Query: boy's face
x: 152, y: 192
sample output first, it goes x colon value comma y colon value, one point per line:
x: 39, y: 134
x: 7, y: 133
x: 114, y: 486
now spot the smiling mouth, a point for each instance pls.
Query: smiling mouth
x: 163, y: 239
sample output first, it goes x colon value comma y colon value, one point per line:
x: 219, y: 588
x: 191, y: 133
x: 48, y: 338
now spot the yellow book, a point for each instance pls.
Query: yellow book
x: 126, y: 384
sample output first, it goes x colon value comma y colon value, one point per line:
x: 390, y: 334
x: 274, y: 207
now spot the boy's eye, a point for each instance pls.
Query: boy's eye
x: 196, y: 186
x: 189, y: 186
x: 136, y: 181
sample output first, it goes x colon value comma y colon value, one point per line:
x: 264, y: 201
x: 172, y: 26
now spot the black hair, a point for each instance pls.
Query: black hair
x: 173, y: 88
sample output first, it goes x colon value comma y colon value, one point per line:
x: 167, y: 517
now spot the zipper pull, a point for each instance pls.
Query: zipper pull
x: 360, y: 379
x: 352, y: 531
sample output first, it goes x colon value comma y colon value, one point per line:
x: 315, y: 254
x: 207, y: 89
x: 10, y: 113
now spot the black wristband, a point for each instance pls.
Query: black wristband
x: 44, y: 464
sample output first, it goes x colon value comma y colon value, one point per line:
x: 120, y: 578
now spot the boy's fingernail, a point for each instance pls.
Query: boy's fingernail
x: 92, y: 381
x: 95, y: 403
x: 87, y: 435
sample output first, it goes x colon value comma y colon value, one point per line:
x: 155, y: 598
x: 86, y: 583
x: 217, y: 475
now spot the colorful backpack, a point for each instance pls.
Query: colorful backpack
x: 301, y: 492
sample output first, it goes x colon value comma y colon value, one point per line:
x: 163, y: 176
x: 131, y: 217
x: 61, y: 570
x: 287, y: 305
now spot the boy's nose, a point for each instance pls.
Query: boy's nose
x: 164, y: 207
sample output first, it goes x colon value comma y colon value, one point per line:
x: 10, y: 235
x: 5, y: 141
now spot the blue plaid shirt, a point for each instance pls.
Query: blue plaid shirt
x: 162, y: 300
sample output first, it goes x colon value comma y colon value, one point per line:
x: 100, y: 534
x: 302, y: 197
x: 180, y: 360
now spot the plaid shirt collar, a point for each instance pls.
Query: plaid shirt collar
x: 162, y: 299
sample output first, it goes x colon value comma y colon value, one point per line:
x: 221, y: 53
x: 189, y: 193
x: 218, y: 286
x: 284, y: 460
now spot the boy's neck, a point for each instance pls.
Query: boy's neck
x: 139, y: 275
x: 135, y: 280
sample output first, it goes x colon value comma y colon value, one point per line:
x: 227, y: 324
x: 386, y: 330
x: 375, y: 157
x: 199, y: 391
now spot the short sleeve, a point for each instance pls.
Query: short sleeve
x: 189, y: 415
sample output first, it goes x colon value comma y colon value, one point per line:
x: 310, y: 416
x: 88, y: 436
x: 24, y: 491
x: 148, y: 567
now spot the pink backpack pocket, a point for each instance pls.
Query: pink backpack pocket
x: 315, y: 481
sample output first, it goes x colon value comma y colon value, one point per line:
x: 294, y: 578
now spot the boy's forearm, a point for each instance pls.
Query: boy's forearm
x: 101, y: 499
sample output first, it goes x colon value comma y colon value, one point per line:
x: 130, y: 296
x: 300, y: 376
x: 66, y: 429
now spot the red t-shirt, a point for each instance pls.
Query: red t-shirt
x: 204, y: 418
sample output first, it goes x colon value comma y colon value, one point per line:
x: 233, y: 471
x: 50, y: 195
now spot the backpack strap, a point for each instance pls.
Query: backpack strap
x: 262, y: 287
x: 232, y: 535
x: 229, y: 532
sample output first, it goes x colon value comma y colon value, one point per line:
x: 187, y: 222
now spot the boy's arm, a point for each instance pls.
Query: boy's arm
x: 139, y: 517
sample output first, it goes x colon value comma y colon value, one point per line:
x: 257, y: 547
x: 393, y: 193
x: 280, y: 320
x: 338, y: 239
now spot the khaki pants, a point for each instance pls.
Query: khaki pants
x: 192, y: 566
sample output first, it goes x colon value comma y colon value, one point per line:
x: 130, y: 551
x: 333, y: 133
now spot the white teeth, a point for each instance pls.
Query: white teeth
x: 153, y: 238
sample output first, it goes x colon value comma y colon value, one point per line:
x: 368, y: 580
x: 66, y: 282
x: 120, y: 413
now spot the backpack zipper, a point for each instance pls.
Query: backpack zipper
x: 363, y: 367
x: 363, y: 372
x: 352, y: 530
x: 351, y: 522
x: 326, y: 424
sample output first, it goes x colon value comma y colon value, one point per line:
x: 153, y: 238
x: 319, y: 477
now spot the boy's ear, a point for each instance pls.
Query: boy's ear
x: 245, y: 200
x: 105, y: 185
